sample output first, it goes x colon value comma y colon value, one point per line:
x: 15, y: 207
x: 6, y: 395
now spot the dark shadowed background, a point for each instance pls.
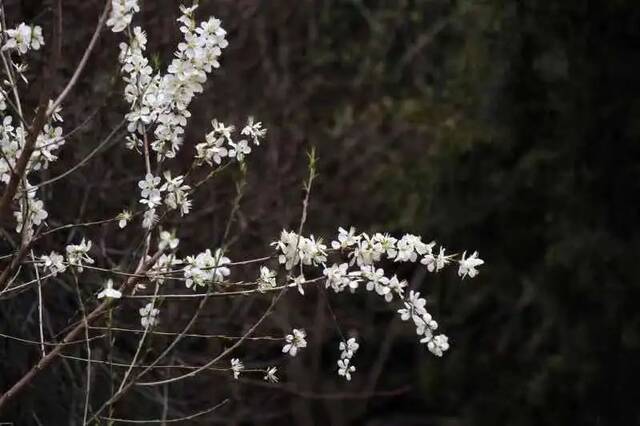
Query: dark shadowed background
x: 510, y: 127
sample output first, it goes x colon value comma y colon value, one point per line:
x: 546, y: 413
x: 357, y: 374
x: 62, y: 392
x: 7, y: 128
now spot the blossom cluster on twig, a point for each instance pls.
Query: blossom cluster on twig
x: 156, y: 120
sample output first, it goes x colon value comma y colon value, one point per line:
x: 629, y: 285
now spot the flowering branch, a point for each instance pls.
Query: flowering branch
x: 154, y: 126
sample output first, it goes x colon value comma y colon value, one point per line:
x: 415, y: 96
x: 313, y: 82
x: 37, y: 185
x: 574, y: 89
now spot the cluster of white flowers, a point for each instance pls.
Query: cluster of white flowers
x: 177, y: 192
x: 219, y: 144
x: 164, y: 264
x: 296, y: 249
x: 338, y: 278
x: 347, y: 350
x: 364, y: 251
x: 205, y: 269
x: 31, y: 211
x: 415, y: 309
x: 23, y: 38
x: 121, y: 14
x: 54, y: 262
x: 176, y: 197
x: 149, y: 315
x: 410, y: 246
x: 163, y: 101
x: 158, y: 114
x: 236, y: 366
x: 383, y: 286
x: 11, y: 142
x: 295, y: 341
x: 49, y: 141
x: 213, y: 150
x: 77, y: 254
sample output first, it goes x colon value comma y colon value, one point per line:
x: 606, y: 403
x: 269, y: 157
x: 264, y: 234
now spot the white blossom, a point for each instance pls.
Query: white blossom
x: 213, y: 150
x: 77, y: 254
x: 124, y: 218
x: 469, y: 264
x: 338, y: 278
x: 414, y: 307
x: 346, y: 238
x: 164, y: 264
x: 121, y: 14
x: 382, y: 285
x: 295, y: 341
x: 387, y: 243
x: 236, y: 366
x: 168, y: 240
x: 223, y: 130
x: 375, y: 280
x: 149, y: 218
x: 345, y: 369
x: 149, y: 315
x: 205, y: 269
x: 134, y: 142
x: 270, y: 375
x: 35, y: 214
x: 56, y: 114
x: 54, y: 262
x: 298, y: 282
x: 109, y: 292
x: 239, y: 150
x: 47, y: 143
x: 24, y: 38
x: 348, y: 348
x: 396, y: 286
x: 295, y: 249
x: 435, y: 263
x: 150, y: 192
x: 367, y: 251
x: 410, y: 246
x: 254, y: 130
x: 438, y: 344
x: 176, y: 193
x: 267, y: 279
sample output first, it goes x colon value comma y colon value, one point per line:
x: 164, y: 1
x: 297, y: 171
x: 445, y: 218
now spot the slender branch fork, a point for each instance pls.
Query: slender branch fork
x: 141, y: 272
x: 72, y: 335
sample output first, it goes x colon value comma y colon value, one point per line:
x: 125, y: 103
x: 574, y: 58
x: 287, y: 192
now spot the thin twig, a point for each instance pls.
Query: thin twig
x: 83, y: 61
x: 40, y: 306
x: 86, y: 336
x: 176, y: 420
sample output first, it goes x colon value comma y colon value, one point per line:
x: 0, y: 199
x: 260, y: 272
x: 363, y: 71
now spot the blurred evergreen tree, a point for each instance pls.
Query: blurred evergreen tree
x: 550, y: 334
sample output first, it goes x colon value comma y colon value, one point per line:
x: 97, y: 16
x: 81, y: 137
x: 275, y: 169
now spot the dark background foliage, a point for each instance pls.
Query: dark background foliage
x: 505, y: 126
